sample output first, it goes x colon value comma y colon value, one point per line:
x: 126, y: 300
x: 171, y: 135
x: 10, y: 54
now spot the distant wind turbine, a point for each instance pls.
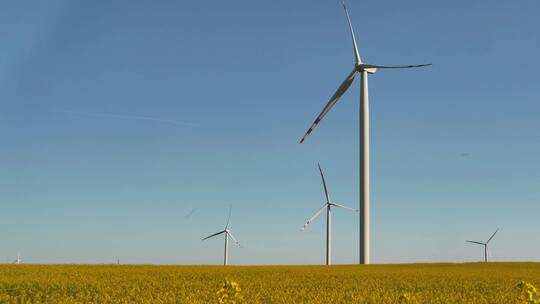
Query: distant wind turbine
x: 328, y: 206
x: 363, y: 69
x: 228, y: 234
x: 190, y: 213
x: 485, y: 245
x: 18, y: 260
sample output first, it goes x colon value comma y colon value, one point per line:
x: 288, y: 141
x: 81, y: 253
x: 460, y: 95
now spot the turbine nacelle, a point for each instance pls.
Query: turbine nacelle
x: 360, y: 67
x: 371, y: 70
x: 365, y: 67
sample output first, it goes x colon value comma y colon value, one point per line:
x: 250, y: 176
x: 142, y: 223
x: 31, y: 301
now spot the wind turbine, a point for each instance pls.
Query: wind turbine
x: 18, y: 260
x: 328, y: 206
x: 485, y: 245
x: 228, y: 234
x: 363, y: 69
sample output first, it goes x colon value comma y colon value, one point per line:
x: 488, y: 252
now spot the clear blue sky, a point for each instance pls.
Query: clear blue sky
x: 119, y: 119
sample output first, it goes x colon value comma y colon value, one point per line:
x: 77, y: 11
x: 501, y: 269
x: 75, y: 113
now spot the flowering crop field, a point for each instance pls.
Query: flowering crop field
x: 410, y: 283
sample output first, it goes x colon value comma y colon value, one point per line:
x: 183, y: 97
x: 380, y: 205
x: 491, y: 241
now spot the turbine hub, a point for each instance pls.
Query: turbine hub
x: 366, y: 67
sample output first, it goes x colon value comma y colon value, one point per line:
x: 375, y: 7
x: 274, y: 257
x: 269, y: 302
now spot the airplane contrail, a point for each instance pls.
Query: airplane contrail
x: 135, y: 117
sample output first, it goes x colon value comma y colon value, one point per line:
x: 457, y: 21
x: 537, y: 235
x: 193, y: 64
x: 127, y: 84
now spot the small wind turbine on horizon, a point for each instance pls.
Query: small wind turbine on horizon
x: 485, y: 245
x: 228, y: 234
x: 363, y: 69
x: 18, y: 260
x: 328, y: 206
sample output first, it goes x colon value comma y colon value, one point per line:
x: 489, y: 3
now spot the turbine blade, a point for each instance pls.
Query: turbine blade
x: 218, y: 233
x: 340, y: 91
x: 234, y: 239
x: 355, y: 46
x: 395, y: 66
x: 229, y: 217
x: 314, y: 216
x: 344, y: 207
x: 324, y: 184
x: 492, y: 235
x: 476, y: 243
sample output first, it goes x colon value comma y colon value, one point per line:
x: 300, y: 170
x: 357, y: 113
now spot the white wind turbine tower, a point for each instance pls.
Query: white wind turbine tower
x: 18, y: 260
x: 227, y: 233
x: 485, y: 245
x: 363, y: 69
x: 328, y: 206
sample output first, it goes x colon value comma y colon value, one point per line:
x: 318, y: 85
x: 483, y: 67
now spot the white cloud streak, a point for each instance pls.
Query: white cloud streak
x: 132, y: 117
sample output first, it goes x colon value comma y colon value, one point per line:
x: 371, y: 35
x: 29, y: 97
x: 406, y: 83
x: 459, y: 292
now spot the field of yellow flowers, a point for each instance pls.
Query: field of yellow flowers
x: 503, y: 283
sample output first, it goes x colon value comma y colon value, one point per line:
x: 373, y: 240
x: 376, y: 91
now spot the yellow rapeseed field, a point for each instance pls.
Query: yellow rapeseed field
x: 491, y: 283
